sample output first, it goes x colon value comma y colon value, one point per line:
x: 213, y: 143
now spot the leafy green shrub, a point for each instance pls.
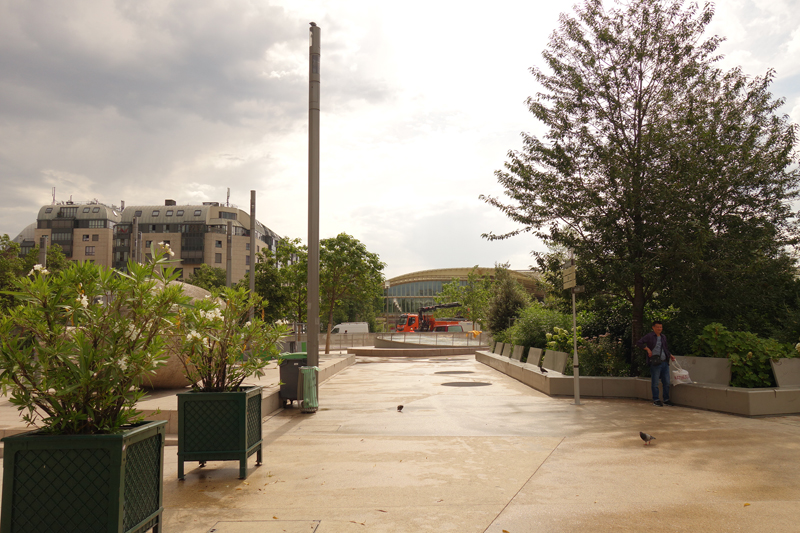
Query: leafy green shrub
x: 221, y: 347
x: 561, y: 340
x: 603, y: 356
x: 75, y: 352
x: 533, y: 324
x: 749, y: 354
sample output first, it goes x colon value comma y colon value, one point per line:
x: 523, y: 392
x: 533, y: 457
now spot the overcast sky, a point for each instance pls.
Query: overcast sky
x: 421, y: 100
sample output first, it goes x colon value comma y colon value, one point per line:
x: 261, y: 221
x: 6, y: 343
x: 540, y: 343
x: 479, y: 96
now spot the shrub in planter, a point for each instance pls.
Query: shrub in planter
x: 748, y: 353
x: 220, y: 418
x: 73, y: 354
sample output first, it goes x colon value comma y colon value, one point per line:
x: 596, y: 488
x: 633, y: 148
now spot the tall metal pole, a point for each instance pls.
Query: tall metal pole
x: 312, y: 346
x: 229, y: 254
x: 576, y: 371
x: 252, y: 248
x: 43, y: 251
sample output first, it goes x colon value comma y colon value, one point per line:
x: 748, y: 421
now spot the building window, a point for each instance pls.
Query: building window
x: 218, y: 244
x: 95, y: 237
x: 137, y: 214
x: 48, y: 210
x: 247, y: 246
x: 67, y: 212
x: 61, y: 236
x: 97, y: 223
x: 218, y: 258
x: 95, y: 210
x: 226, y: 214
x: 156, y: 213
x: 197, y: 212
x: 180, y: 213
x: 90, y: 250
x: 169, y: 212
x: 86, y: 209
x: 147, y: 244
x: 153, y: 228
x: 247, y: 260
x: 85, y: 238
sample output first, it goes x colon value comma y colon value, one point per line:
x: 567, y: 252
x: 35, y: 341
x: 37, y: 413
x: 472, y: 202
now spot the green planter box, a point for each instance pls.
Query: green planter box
x: 219, y: 426
x: 99, y: 483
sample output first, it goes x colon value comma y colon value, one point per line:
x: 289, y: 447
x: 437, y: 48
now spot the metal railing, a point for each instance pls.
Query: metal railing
x: 438, y: 338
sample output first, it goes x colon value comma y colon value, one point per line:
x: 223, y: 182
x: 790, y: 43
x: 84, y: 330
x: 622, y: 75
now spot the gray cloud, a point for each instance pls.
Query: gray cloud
x: 139, y: 100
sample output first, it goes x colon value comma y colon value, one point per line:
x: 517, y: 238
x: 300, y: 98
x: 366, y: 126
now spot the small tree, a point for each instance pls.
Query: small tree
x: 348, y: 272
x: 208, y: 277
x: 474, y: 296
x: 508, y: 300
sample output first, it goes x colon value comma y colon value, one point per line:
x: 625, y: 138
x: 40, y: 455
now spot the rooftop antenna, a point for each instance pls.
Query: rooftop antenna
x: 228, y: 198
x: 54, y: 196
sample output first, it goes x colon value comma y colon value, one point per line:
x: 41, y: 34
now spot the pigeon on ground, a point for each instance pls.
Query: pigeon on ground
x: 399, y: 408
x: 645, y: 437
x: 542, y: 370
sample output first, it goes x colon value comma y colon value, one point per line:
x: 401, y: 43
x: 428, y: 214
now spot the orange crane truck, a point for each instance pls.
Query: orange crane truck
x: 425, y: 321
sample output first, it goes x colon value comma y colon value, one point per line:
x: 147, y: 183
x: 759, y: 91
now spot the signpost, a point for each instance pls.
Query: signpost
x: 568, y: 273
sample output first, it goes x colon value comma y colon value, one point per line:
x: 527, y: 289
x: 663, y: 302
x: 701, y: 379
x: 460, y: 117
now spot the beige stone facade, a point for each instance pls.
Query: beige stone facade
x: 196, y: 233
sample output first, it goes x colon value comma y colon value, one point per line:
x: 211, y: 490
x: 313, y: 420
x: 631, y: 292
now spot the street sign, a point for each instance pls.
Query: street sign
x: 569, y: 277
x: 578, y: 289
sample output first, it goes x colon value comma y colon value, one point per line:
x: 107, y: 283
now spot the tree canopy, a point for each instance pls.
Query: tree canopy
x: 208, y: 277
x: 473, y: 296
x: 653, y: 157
x: 348, y: 273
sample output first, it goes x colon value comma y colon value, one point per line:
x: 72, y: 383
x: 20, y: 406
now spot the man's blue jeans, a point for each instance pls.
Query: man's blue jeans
x: 660, y: 372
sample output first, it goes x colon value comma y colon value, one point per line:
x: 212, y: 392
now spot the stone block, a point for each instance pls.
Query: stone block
x: 619, y: 387
x: 507, y: 350
x: 517, y: 353
x: 786, y: 371
x: 560, y: 385
x: 591, y: 386
x: 554, y: 360
x: 498, y: 348
x: 706, y: 369
x: 534, y: 356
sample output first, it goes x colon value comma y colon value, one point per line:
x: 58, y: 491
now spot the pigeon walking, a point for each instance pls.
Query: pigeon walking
x: 645, y: 437
x: 542, y: 370
x: 399, y: 408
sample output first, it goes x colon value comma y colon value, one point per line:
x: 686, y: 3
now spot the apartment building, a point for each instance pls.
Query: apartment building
x: 196, y: 233
x: 85, y: 231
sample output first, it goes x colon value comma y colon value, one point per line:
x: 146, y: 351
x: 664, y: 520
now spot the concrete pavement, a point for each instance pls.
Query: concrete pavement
x: 474, y: 450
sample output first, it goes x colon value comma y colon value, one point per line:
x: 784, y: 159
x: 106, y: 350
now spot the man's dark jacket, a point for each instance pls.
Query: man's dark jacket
x: 649, y: 340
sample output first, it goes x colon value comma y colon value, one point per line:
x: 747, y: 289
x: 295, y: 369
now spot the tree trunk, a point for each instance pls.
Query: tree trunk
x: 637, y: 324
x: 328, y: 339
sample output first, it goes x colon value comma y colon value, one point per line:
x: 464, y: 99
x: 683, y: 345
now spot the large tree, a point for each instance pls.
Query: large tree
x: 473, y: 295
x: 348, y: 272
x: 651, y: 153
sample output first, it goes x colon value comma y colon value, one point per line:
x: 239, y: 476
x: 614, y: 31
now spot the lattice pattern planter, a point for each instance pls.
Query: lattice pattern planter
x: 219, y: 426
x: 87, y: 483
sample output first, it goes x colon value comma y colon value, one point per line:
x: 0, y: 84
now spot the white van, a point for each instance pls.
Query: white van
x: 351, y: 327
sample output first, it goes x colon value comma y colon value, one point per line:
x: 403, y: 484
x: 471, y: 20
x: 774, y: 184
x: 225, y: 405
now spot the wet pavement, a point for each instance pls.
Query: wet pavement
x: 474, y: 450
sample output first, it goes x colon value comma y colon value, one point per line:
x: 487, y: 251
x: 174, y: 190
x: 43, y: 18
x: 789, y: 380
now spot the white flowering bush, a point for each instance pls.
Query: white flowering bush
x: 221, y: 346
x: 75, y: 349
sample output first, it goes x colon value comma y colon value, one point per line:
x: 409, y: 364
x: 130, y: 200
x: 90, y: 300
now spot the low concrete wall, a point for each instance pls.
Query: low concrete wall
x: 403, y: 350
x: 709, y: 396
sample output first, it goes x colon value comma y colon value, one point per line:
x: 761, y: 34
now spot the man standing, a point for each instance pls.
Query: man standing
x: 659, y: 356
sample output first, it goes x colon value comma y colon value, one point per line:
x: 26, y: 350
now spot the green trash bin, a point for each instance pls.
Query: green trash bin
x: 308, y: 375
x: 290, y: 372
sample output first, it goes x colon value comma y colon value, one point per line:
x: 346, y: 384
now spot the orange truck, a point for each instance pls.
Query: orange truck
x: 425, y: 321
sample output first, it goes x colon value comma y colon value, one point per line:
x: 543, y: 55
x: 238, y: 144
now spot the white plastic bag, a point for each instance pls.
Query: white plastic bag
x: 679, y: 375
